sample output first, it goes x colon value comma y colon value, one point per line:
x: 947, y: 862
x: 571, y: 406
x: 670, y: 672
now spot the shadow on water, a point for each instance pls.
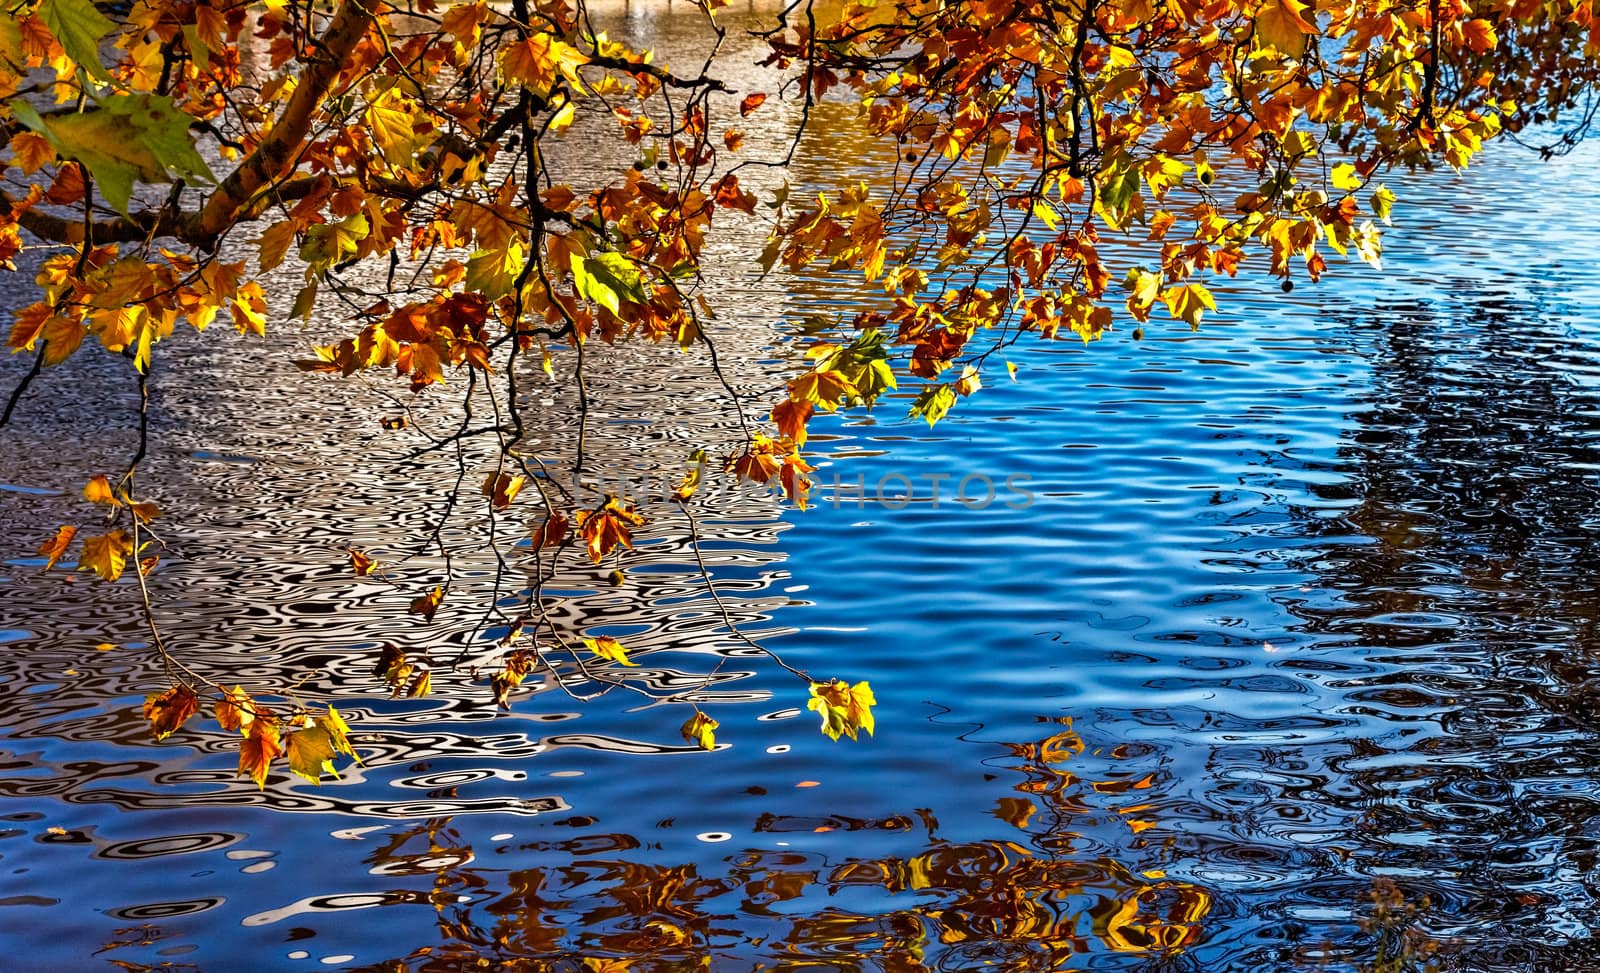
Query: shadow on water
x: 1457, y: 552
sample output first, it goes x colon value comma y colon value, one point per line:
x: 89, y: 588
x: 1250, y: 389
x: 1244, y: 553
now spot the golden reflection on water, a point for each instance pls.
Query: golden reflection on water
x: 1030, y: 900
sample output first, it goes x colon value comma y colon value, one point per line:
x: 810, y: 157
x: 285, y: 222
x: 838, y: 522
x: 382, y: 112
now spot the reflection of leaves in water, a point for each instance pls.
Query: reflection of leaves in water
x: 1031, y: 900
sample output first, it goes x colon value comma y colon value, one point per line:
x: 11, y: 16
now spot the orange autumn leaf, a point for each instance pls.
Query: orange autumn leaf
x: 361, y: 562
x: 551, y: 533
x: 757, y: 467
x: 751, y: 103
x: 258, y: 749
x: 236, y: 710
x: 427, y: 604
x: 31, y: 151
x: 791, y: 418
x: 605, y: 529
x: 56, y: 546
x: 168, y: 710
x: 502, y: 488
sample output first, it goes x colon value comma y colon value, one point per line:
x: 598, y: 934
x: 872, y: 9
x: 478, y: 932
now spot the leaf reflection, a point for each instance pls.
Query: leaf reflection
x: 1041, y: 896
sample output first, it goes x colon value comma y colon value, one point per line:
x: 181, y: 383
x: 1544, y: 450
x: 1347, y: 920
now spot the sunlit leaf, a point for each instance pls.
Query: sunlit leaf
x: 502, y: 488
x: 607, y: 647
x: 427, y: 604
x: 338, y: 733
x: 167, y: 711
x: 700, y: 729
x: 609, y: 527
x: 310, y: 753
x: 361, y: 562
x: 98, y: 490
x: 236, y: 710
x: 846, y: 710
x: 79, y: 26
x: 56, y: 546
x: 259, y: 748
x: 106, y: 554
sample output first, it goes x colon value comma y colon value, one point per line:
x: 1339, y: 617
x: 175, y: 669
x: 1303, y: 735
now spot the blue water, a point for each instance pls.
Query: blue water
x: 1297, y: 602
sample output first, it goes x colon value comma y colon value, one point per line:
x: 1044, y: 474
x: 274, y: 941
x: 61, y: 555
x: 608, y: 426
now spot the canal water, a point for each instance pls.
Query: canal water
x: 1272, y: 650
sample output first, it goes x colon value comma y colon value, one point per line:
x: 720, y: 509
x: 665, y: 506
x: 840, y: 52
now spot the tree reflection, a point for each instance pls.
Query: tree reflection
x: 1040, y: 897
x: 1458, y: 568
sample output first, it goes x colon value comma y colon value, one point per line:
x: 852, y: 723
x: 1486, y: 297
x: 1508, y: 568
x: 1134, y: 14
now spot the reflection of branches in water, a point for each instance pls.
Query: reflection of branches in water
x: 1470, y: 476
x: 1475, y: 468
x: 1048, y: 893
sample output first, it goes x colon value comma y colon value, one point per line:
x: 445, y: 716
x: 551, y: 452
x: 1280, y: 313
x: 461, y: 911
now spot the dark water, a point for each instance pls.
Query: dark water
x: 1292, y: 604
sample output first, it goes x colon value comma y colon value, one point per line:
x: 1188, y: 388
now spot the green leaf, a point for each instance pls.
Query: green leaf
x: 126, y: 138
x: 79, y: 27
x: 1119, y: 185
x: 330, y: 243
x: 493, y: 273
x: 933, y: 402
x: 607, y: 279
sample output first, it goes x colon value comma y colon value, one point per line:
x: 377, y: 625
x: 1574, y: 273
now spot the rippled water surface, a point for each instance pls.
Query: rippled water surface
x: 1268, y: 612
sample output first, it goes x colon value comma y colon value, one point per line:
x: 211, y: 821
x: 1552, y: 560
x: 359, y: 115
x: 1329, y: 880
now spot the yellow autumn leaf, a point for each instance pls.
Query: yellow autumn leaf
x: 607, y: 647
x: 106, y: 554
x: 98, y: 490
x: 846, y: 710
x: 1189, y: 302
x: 311, y: 753
x: 338, y: 732
x: 700, y: 729
x: 1280, y: 24
x: 398, y: 127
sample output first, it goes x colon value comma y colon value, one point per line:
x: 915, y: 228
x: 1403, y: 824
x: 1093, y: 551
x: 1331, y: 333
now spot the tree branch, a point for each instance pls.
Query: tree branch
x: 278, y: 150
